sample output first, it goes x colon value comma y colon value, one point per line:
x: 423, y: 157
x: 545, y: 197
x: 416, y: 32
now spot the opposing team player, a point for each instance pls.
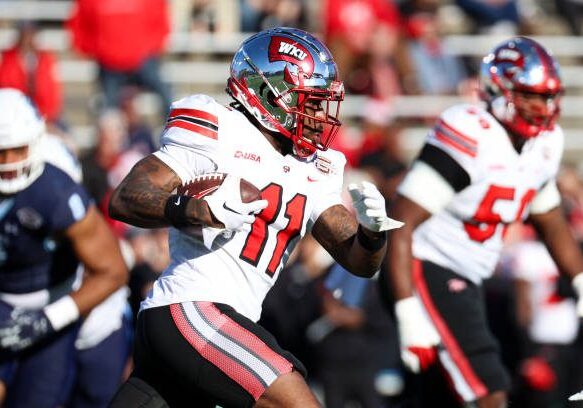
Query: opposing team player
x: 479, y: 170
x: 47, y: 226
x: 103, y: 343
x: 197, y: 341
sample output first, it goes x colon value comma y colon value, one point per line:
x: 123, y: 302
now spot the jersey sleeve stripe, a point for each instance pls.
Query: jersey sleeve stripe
x: 193, y: 127
x: 195, y: 114
x: 451, y: 137
x: 450, y: 129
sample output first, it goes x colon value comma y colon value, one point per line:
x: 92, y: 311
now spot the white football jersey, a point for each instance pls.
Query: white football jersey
x: 465, y: 233
x: 203, y: 136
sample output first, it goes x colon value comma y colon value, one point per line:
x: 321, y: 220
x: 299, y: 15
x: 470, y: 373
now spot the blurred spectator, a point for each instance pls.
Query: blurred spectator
x: 251, y: 15
x: 382, y: 154
x: 493, y: 16
x: 363, y: 35
x: 140, y: 134
x: 151, y: 252
x: 257, y: 15
x: 286, y: 13
x: 108, y: 162
x: 33, y: 71
x: 126, y: 39
x: 572, y: 12
x: 214, y: 16
x: 437, y: 71
x: 352, y: 340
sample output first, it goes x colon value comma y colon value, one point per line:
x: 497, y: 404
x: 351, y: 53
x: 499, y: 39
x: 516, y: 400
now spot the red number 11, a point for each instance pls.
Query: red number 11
x: 257, y: 238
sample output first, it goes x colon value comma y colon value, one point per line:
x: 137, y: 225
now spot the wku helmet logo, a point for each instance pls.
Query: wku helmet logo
x: 285, y: 49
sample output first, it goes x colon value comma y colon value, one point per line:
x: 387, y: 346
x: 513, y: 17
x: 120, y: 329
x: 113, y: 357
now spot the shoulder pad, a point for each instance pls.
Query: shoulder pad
x: 461, y: 129
x: 193, y: 122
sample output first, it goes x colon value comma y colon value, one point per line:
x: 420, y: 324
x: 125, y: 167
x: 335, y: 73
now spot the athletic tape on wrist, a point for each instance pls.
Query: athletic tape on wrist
x: 62, y: 312
x: 175, y: 210
x: 368, y: 243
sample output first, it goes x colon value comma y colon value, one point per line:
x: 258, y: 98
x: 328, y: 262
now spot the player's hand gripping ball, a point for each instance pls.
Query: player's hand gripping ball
x: 233, y: 201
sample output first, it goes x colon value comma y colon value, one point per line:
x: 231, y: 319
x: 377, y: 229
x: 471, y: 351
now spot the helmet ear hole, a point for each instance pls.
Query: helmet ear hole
x: 271, y: 99
x: 269, y: 95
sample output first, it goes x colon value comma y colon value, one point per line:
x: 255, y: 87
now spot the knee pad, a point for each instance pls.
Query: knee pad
x: 137, y: 393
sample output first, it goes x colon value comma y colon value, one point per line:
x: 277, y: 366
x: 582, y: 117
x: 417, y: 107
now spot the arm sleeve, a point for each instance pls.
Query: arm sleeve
x: 72, y: 203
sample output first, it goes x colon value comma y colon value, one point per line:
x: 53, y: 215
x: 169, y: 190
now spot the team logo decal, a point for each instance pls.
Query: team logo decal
x: 239, y: 154
x: 324, y: 165
x: 29, y: 218
x: 284, y: 49
x: 513, y: 57
x: 507, y: 54
x: 456, y: 285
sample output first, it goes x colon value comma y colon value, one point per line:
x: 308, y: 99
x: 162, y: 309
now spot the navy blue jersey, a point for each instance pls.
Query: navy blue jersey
x: 34, y: 253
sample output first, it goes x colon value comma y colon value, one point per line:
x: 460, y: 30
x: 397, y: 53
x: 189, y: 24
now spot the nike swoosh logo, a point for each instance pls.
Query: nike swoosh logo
x: 230, y: 209
x: 311, y: 180
x: 5, y: 206
x: 177, y: 202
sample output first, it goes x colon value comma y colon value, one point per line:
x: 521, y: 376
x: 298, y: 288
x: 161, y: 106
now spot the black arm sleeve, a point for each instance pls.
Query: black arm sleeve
x: 447, y: 167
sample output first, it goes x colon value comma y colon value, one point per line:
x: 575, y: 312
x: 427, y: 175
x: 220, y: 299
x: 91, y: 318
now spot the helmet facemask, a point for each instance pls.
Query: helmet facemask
x: 20, y: 128
x: 18, y: 175
x: 315, y: 117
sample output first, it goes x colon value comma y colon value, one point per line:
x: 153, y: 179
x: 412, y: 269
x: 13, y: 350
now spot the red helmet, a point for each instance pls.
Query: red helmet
x: 279, y: 72
x: 521, y: 66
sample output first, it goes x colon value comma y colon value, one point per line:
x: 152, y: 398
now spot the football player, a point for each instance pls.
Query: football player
x: 103, y: 342
x: 47, y: 226
x: 479, y: 170
x: 197, y: 340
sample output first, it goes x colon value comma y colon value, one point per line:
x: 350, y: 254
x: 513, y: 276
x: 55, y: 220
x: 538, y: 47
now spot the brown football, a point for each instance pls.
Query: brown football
x: 206, y: 184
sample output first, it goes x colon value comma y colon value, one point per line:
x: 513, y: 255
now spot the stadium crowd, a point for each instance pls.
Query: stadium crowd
x: 338, y: 325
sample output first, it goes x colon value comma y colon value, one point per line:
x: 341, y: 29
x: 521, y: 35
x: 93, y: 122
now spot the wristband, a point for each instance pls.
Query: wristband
x: 62, y: 312
x: 175, y: 210
x: 368, y: 243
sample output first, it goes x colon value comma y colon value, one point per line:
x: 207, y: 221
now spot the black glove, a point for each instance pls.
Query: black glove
x: 23, y: 329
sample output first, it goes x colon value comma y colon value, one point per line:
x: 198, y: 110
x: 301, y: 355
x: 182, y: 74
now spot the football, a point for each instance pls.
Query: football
x: 206, y: 184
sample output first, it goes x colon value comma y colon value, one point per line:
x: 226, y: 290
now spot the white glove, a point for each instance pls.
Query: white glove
x: 369, y: 204
x: 226, y: 205
x: 578, y: 396
x: 417, y: 335
x: 578, y: 286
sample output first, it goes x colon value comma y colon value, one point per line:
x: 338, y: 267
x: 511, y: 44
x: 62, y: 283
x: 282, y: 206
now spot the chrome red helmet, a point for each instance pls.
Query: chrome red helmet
x: 521, y: 67
x: 279, y: 75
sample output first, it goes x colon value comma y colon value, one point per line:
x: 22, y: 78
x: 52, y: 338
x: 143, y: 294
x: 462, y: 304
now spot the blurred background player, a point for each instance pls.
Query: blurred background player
x: 103, y: 344
x: 479, y: 170
x: 197, y: 337
x: 48, y: 226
